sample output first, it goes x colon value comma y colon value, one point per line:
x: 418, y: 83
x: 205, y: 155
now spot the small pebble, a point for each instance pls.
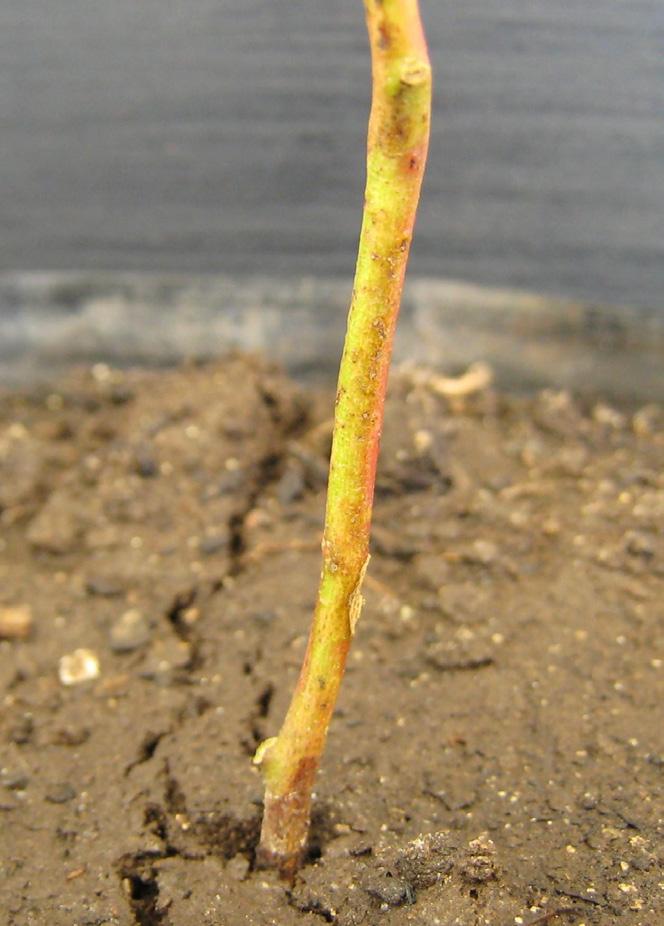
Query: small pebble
x: 551, y: 527
x: 103, y: 587
x: 120, y: 395
x: 55, y: 528
x: 422, y: 440
x: 231, y: 481
x: 648, y: 420
x: 22, y: 729
x: 101, y: 372
x: 214, y: 543
x: 71, y: 736
x: 640, y: 544
x: 389, y: 891
x: 14, y: 780
x: 191, y: 616
x: 257, y: 518
x: 264, y: 617
x: 166, y: 659
x: 80, y: 666
x: 145, y: 463
x: 604, y: 414
x: 589, y: 801
x: 486, y: 552
x: 129, y: 632
x: 15, y: 622
x: 60, y: 793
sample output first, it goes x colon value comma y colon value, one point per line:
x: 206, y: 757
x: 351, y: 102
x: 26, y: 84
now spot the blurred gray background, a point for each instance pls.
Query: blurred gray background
x: 227, y: 136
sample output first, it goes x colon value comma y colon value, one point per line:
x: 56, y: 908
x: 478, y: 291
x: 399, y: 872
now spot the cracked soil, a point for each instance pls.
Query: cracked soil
x: 497, y: 753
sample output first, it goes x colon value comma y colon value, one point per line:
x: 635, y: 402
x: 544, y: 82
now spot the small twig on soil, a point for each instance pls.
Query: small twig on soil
x: 477, y: 378
x: 591, y: 900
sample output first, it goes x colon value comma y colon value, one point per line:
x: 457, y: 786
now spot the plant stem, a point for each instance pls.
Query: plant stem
x: 397, y: 145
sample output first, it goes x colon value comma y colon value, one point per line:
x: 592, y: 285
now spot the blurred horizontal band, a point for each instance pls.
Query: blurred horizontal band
x: 49, y: 321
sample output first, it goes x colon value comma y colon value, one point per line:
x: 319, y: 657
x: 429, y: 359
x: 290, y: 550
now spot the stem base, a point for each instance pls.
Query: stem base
x: 285, y: 825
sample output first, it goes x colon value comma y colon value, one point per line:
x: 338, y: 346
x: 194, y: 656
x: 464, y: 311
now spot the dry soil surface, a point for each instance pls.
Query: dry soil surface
x: 497, y: 753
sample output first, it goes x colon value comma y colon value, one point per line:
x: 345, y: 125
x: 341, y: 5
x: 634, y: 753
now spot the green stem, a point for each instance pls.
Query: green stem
x: 396, y: 153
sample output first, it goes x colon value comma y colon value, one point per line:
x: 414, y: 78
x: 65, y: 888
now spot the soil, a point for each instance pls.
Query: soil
x: 497, y: 754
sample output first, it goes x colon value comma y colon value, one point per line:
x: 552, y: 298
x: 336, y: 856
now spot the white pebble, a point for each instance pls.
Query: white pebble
x: 80, y: 666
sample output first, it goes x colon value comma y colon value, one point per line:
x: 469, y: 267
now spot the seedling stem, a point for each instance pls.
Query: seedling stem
x: 397, y: 145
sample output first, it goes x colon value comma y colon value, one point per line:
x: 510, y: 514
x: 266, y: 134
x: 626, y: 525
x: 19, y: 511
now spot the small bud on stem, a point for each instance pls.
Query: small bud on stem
x: 396, y: 153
